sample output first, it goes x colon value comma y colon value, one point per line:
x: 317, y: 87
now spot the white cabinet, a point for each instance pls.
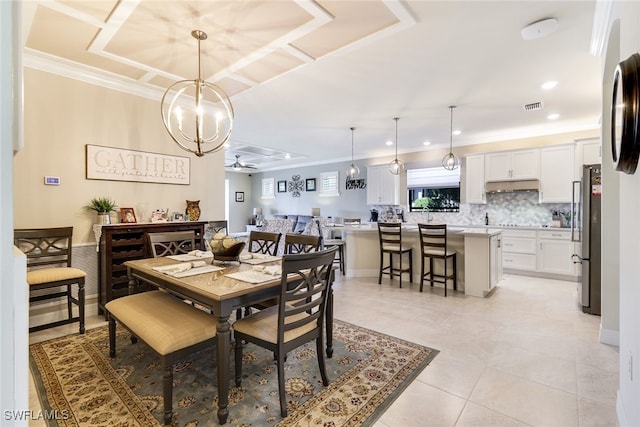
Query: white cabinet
x: 383, y: 187
x: 556, y: 174
x: 474, y: 179
x: 512, y: 165
x: 555, y: 249
x: 519, y: 249
x: 483, y: 270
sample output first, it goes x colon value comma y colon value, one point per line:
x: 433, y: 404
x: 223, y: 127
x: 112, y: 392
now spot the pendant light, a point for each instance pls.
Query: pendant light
x: 396, y: 167
x: 353, y: 170
x: 450, y: 162
x: 198, y: 115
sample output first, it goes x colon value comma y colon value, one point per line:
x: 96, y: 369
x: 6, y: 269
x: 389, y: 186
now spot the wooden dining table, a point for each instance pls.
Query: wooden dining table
x: 222, y: 295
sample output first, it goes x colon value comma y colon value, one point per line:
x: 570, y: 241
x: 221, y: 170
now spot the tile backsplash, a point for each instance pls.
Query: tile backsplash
x: 520, y: 208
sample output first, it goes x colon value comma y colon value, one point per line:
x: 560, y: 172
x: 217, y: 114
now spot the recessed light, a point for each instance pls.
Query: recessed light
x: 549, y: 85
x: 457, y: 132
x: 426, y: 143
x: 287, y: 156
x: 389, y: 143
x: 553, y: 116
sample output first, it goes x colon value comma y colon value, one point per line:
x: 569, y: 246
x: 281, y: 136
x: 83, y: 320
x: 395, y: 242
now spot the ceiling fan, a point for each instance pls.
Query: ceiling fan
x: 238, y: 165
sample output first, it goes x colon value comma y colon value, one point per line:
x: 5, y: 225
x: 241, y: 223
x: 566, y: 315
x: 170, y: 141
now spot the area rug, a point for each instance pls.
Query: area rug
x: 80, y: 385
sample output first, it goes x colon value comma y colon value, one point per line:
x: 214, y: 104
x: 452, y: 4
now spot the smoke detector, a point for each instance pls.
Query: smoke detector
x: 539, y: 29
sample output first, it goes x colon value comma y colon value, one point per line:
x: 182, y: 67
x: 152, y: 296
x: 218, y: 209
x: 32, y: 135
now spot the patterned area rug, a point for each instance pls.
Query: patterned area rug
x: 80, y: 385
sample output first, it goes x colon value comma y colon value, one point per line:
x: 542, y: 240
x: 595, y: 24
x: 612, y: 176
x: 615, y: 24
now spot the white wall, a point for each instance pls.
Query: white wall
x: 13, y: 329
x: 628, y: 409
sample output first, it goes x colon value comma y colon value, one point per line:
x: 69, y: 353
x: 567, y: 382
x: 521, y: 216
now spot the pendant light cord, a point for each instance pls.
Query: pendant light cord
x: 352, y: 129
x: 396, y: 119
x: 451, y: 108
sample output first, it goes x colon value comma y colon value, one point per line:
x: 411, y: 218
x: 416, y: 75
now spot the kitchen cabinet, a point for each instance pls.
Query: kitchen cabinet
x: 555, y: 249
x: 483, y: 270
x: 474, y: 179
x: 383, y: 187
x: 588, y: 152
x: 123, y: 242
x: 556, y: 174
x: 519, y: 249
x: 512, y: 165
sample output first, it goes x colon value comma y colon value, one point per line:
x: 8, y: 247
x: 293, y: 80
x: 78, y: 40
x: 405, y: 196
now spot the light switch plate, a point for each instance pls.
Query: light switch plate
x: 51, y: 180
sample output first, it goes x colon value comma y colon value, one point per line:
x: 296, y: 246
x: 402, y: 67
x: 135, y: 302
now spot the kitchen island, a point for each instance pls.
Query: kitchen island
x: 479, y: 265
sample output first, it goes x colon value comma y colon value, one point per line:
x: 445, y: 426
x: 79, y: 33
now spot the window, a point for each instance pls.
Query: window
x: 434, y: 190
x: 268, y: 188
x: 329, y: 184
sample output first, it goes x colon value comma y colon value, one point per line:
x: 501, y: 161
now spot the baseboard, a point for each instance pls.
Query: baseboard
x: 530, y: 273
x: 609, y: 336
x: 621, y: 413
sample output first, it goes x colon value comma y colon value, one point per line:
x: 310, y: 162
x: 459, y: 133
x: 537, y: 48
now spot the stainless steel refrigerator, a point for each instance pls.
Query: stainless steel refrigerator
x: 586, y: 229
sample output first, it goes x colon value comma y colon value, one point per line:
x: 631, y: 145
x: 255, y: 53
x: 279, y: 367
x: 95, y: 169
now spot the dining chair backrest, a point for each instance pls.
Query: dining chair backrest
x: 264, y: 242
x: 45, y: 247
x: 307, y: 294
x: 433, y: 238
x: 301, y: 243
x: 172, y: 243
x: 390, y: 234
x: 215, y: 227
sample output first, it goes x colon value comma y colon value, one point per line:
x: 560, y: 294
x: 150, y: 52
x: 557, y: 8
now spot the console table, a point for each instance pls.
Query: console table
x: 119, y: 243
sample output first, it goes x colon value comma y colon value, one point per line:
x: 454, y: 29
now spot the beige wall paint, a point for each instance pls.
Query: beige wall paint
x: 61, y: 117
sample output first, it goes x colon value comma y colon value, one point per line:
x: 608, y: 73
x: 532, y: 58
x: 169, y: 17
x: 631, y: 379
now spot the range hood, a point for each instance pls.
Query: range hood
x: 512, y: 186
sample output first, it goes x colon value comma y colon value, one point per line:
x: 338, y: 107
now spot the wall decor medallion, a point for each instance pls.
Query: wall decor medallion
x: 296, y: 185
x: 355, y: 184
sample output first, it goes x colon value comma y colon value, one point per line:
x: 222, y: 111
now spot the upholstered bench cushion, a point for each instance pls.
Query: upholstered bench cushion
x: 264, y: 325
x: 46, y: 275
x: 162, y: 321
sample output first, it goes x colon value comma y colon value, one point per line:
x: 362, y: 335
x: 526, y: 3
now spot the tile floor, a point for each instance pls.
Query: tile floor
x: 525, y: 356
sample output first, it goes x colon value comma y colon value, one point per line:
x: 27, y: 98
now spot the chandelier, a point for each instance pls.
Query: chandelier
x: 450, y: 162
x: 396, y: 167
x: 353, y: 170
x: 198, y: 115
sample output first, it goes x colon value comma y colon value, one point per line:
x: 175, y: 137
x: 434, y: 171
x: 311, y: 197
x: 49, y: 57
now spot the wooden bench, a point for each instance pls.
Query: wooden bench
x: 172, y: 328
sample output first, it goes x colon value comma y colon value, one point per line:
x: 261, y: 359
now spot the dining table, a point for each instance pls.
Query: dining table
x: 222, y: 294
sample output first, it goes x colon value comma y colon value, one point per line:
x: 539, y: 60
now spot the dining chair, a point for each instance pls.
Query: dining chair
x: 48, y: 252
x: 286, y: 326
x: 172, y: 243
x: 264, y: 242
x: 433, y: 245
x: 301, y: 243
x: 214, y: 227
x: 390, y: 236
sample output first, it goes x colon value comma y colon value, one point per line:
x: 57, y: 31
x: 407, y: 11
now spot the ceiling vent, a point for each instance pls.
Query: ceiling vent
x: 533, y: 106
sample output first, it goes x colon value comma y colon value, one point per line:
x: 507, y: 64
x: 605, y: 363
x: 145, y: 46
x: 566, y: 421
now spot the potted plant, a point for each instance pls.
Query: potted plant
x: 103, y: 206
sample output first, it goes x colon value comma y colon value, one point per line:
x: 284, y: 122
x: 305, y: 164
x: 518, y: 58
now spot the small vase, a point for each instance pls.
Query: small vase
x: 104, y: 218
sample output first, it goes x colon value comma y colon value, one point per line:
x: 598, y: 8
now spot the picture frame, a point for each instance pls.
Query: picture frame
x: 239, y: 196
x: 177, y: 216
x: 128, y: 216
x: 282, y: 186
x: 310, y: 184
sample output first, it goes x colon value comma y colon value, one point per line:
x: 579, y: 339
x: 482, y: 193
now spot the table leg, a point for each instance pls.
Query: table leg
x: 223, y: 348
x: 329, y: 320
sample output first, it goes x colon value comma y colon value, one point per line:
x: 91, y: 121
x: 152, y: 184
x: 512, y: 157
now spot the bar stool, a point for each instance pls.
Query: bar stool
x: 390, y: 234
x: 330, y: 241
x: 433, y: 245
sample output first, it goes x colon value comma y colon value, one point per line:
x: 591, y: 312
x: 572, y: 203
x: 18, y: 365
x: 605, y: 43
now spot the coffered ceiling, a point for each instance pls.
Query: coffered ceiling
x: 300, y: 73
